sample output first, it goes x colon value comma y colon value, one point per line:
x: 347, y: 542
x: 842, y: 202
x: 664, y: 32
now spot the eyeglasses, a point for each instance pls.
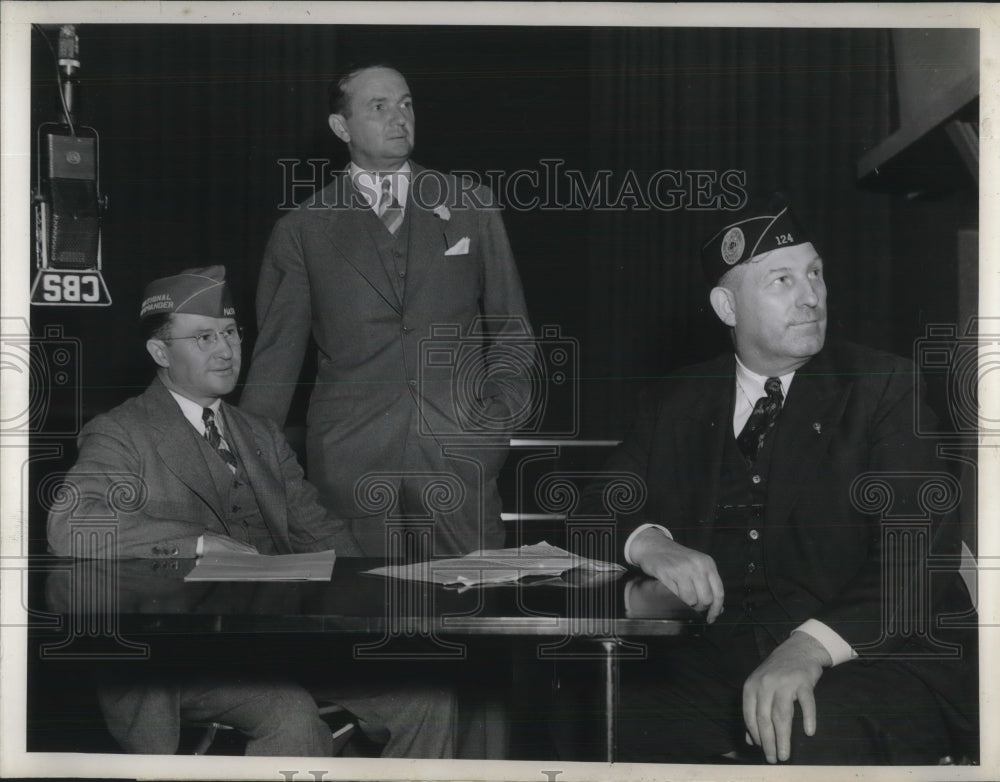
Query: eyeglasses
x: 207, y: 340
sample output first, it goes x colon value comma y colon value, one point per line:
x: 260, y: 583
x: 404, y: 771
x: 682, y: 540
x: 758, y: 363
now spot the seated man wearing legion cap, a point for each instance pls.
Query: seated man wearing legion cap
x: 212, y: 477
x: 751, y: 462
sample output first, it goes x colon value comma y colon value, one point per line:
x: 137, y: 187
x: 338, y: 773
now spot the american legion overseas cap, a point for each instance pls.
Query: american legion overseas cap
x: 192, y: 291
x: 757, y: 230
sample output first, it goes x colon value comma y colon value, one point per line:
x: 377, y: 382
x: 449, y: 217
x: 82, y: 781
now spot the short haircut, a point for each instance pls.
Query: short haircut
x: 731, y: 279
x: 338, y: 100
x: 157, y: 326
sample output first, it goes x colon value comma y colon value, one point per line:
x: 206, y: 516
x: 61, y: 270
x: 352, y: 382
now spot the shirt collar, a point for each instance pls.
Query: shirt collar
x: 753, y: 384
x: 192, y: 411
x: 369, y: 183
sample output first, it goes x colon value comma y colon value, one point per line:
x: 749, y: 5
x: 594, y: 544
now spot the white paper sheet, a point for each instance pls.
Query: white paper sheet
x: 497, y: 566
x: 232, y: 566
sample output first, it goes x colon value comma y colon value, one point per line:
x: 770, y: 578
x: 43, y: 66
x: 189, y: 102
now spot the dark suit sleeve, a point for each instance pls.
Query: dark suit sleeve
x: 310, y: 527
x: 620, y: 492
x: 284, y: 316
x: 106, y: 485
x: 505, y: 310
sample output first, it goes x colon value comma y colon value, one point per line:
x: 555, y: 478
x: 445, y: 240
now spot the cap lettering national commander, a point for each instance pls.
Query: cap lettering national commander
x: 192, y: 291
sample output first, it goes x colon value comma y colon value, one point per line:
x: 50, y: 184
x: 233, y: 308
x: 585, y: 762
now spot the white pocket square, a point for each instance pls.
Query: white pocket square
x: 461, y: 247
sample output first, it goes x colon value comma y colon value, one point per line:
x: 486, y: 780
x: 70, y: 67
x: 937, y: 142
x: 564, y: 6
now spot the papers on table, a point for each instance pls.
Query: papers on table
x: 233, y: 566
x: 538, y: 563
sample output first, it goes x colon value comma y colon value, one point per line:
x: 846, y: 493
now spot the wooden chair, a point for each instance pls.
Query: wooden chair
x: 341, y: 722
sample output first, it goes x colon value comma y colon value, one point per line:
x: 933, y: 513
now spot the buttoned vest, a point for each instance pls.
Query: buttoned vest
x: 738, y: 539
x: 241, y: 516
x: 393, y: 249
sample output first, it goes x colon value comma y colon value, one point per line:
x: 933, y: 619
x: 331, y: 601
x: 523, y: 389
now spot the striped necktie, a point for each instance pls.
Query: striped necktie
x: 215, y: 439
x: 390, y: 211
x: 761, y: 420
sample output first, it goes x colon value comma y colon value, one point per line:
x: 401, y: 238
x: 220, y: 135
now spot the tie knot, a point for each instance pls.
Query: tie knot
x: 208, y: 415
x: 772, y: 387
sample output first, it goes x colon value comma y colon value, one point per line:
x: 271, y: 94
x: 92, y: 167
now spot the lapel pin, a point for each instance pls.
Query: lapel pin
x: 817, y: 427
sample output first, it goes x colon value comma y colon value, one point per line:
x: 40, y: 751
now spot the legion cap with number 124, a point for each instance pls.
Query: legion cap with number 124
x: 755, y: 231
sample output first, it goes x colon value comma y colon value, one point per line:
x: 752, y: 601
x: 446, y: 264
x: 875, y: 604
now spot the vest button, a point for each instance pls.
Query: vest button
x: 751, y: 567
x: 755, y: 479
x: 413, y: 383
x: 754, y: 534
x: 402, y: 273
x: 235, y: 508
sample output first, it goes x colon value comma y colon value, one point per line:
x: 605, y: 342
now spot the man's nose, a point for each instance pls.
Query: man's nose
x: 808, y: 296
x: 222, y: 348
x: 399, y: 116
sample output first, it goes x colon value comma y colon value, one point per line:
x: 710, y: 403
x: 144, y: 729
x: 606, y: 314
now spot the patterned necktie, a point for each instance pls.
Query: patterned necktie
x: 761, y: 420
x: 215, y: 439
x: 390, y: 212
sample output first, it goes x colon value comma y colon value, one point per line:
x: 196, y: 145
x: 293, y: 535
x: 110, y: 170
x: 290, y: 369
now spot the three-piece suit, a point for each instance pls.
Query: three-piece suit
x: 424, y: 355
x: 844, y: 504
x: 143, y: 467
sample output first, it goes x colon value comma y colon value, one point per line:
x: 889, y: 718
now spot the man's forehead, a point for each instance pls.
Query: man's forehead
x: 186, y: 320
x: 374, y: 83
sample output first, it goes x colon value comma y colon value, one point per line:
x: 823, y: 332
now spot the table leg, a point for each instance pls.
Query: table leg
x: 610, y: 647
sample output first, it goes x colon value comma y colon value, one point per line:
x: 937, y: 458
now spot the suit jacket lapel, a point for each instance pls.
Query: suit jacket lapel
x: 250, y: 450
x: 178, y: 446
x: 808, y: 419
x: 427, y: 233
x: 351, y: 229
x: 702, y: 430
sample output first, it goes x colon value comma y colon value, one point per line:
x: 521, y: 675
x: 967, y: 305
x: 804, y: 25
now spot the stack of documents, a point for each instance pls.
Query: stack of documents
x: 237, y: 566
x: 502, y: 566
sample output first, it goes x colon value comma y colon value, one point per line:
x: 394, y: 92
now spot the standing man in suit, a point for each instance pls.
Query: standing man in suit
x: 207, y: 477
x: 397, y: 272
x: 751, y: 463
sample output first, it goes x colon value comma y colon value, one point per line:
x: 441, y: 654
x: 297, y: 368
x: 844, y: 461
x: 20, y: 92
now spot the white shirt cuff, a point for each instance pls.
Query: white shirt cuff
x: 199, y: 547
x: 640, y: 528
x: 839, y: 650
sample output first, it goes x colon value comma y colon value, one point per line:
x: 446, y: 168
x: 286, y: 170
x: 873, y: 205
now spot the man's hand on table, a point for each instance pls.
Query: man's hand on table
x: 788, y: 674
x: 689, y: 574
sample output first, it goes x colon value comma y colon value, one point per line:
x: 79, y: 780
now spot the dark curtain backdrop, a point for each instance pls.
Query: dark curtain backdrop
x: 793, y: 109
x: 194, y: 120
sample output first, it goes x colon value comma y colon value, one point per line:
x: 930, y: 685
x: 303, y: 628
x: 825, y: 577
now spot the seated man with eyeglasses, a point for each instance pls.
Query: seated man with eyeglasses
x: 206, y: 477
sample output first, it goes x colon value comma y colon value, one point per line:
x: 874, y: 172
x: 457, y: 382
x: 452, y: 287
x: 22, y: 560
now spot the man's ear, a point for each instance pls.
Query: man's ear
x: 338, y: 124
x: 724, y: 303
x: 158, y: 351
